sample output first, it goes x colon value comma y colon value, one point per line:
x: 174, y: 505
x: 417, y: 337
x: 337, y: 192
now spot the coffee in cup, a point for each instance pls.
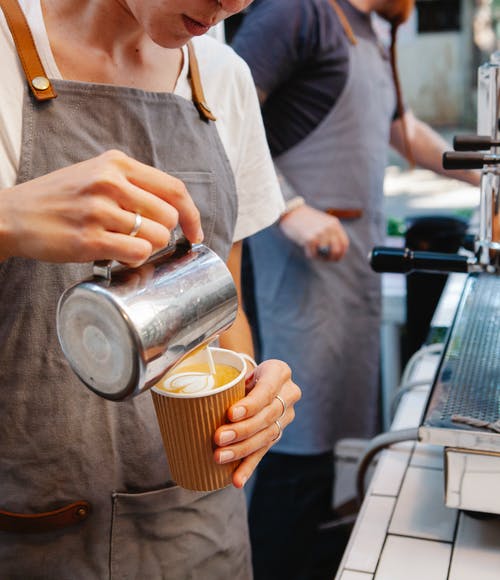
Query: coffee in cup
x: 191, y: 402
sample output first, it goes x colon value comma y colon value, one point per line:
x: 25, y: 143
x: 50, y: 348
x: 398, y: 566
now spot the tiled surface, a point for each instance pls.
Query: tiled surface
x: 476, y: 554
x: 368, y: 536
x: 392, y: 465
x: 405, y: 531
x: 410, y: 559
x: 420, y: 511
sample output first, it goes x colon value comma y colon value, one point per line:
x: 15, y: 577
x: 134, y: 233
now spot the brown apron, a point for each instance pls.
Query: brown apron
x: 60, y: 443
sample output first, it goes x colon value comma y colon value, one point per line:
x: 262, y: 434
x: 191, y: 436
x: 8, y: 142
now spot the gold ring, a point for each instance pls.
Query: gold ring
x: 280, y: 431
x: 137, y: 225
x: 282, y: 401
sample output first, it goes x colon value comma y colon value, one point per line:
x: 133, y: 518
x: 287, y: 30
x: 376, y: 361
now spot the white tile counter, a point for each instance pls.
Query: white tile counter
x: 404, y: 531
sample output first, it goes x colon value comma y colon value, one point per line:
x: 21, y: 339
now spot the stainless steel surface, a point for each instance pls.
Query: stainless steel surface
x: 468, y: 380
x: 489, y: 234
x: 124, y: 328
x: 488, y: 120
x: 488, y: 93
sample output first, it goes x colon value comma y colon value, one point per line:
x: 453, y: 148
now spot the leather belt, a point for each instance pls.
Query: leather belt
x: 344, y: 213
x: 64, y: 517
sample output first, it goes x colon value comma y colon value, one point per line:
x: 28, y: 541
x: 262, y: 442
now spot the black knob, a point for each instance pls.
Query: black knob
x: 404, y: 260
x: 455, y: 160
x: 474, y: 143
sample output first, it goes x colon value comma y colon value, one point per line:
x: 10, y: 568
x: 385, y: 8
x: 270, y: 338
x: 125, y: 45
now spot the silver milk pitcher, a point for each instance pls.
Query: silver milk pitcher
x: 124, y: 328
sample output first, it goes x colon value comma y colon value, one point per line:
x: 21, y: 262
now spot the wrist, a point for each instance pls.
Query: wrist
x: 291, y: 205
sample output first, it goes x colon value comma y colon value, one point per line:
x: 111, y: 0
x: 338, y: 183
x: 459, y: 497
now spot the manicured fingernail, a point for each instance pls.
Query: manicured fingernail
x: 243, y: 481
x: 200, y: 236
x: 225, y: 456
x: 238, y: 412
x: 227, y: 436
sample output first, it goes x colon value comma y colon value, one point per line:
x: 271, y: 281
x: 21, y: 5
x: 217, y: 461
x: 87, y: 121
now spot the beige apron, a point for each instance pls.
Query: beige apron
x: 59, y: 442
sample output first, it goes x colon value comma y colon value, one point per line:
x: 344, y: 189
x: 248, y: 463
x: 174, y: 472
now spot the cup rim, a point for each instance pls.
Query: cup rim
x: 211, y: 392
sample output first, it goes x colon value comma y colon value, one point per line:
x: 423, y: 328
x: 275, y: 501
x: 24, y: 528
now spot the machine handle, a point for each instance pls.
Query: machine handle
x: 474, y: 143
x: 455, y: 160
x: 404, y: 261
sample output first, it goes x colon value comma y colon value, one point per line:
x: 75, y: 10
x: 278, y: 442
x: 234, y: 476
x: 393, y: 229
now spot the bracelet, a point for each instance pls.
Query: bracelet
x: 291, y: 204
x: 248, y: 358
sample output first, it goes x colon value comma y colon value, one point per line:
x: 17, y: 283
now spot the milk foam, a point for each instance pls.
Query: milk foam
x: 189, y: 382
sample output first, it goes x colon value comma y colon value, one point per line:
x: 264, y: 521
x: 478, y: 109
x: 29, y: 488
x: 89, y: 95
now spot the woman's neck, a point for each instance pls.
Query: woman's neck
x: 117, y: 49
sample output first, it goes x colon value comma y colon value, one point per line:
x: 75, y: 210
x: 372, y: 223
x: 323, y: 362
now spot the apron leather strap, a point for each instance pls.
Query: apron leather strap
x: 40, y: 84
x: 196, y: 88
x: 400, y: 107
x: 68, y: 515
x: 399, y: 97
x: 38, y: 81
x: 344, y: 22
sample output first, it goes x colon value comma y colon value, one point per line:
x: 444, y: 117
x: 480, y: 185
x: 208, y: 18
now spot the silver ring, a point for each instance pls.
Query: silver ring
x: 280, y: 431
x: 323, y: 251
x: 137, y: 224
x: 282, y: 401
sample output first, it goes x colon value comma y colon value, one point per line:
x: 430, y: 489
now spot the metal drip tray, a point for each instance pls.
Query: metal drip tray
x: 467, y: 384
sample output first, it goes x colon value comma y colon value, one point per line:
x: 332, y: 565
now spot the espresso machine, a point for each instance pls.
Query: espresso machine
x: 463, y: 410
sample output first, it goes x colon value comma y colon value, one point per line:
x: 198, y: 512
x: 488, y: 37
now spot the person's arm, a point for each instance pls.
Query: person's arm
x: 86, y: 212
x: 318, y: 233
x: 427, y: 147
x: 252, y: 429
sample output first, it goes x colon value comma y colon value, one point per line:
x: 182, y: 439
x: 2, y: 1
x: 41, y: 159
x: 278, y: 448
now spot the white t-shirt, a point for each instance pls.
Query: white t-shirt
x: 229, y: 91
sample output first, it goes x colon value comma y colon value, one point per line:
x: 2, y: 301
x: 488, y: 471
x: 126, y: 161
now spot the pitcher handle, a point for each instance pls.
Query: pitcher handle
x: 105, y: 268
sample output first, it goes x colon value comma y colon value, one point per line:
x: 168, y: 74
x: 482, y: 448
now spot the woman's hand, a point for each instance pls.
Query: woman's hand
x: 321, y: 235
x: 257, y: 420
x: 86, y: 212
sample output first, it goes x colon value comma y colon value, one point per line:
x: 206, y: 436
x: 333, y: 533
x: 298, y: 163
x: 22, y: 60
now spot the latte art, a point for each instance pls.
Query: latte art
x: 189, y: 382
x: 197, y: 378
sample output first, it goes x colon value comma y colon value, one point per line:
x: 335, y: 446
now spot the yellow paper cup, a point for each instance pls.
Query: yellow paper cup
x: 188, y: 423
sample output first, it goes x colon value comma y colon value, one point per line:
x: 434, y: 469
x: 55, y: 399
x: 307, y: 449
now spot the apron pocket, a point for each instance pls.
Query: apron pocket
x: 202, y: 187
x: 179, y: 534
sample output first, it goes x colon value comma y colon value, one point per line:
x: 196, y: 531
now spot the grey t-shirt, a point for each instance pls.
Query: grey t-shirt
x: 298, y: 53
